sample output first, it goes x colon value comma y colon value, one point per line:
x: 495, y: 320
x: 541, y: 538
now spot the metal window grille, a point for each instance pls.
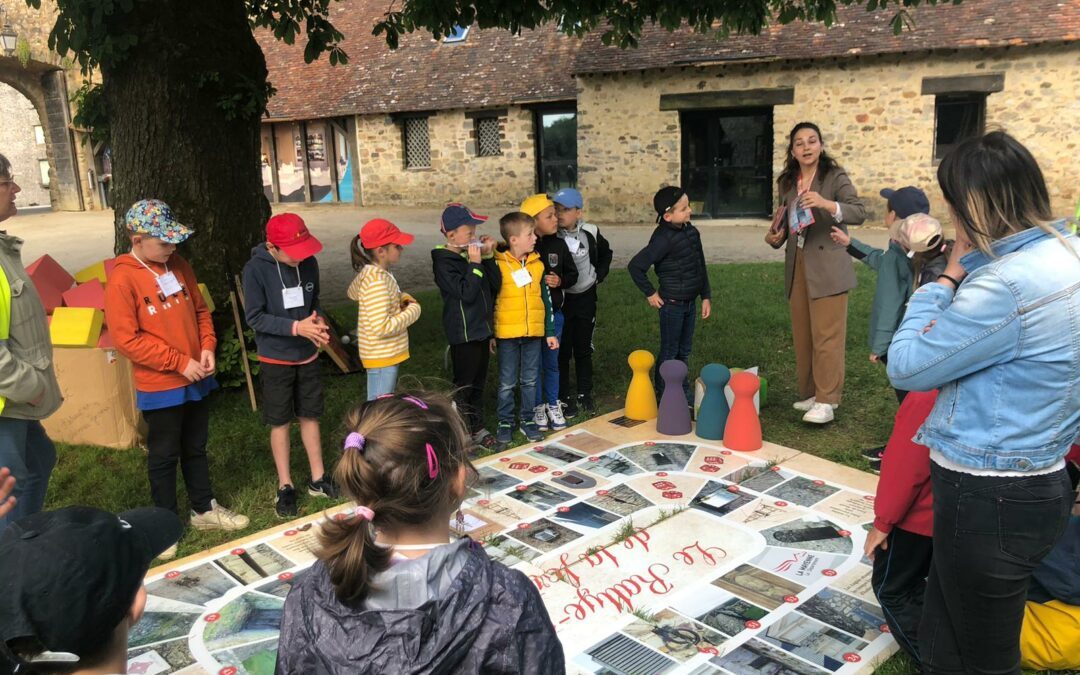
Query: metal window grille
x: 487, y: 137
x: 417, y: 143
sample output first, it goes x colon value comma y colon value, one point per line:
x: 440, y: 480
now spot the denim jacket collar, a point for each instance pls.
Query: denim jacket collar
x: 1014, y: 242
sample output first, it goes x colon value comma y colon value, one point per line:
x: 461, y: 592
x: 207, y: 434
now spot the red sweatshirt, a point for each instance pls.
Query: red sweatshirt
x: 903, y: 497
x: 159, y: 334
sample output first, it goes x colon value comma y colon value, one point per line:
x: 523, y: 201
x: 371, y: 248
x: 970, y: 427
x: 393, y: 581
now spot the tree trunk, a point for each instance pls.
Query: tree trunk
x: 175, y: 137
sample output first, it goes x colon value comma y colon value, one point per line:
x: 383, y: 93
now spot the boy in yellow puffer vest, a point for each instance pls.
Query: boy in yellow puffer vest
x: 523, y: 322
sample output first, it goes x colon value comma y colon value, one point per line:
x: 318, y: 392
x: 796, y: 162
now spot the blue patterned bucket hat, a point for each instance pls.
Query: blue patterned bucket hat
x: 154, y: 218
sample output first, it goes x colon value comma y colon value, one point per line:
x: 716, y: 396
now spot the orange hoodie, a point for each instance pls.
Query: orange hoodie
x: 159, y: 334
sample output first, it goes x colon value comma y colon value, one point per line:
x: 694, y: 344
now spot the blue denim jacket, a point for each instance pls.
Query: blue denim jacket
x: 1005, y: 352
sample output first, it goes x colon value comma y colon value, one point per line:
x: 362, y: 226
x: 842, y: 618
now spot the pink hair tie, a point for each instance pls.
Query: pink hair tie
x: 382, y: 396
x: 364, y: 513
x: 355, y: 440
x: 432, y: 461
x: 415, y: 401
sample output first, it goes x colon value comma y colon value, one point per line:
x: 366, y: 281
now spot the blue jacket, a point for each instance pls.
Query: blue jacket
x: 1005, y: 352
x: 265, y: 306
x: 895, y: 281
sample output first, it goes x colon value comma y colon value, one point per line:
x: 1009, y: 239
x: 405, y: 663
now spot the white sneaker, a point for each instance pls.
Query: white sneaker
x: 218, y: 518
x: 168, y: 554
x: 819, y: 413
x: 558, y: 422
x: 540, y: 418
x: 805, y: 405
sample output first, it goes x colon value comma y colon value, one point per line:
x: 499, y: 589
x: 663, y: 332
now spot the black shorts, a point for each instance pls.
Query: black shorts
x: 289, y: 392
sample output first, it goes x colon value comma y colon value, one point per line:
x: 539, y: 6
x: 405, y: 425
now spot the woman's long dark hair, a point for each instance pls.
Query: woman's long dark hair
x: 790, y: 175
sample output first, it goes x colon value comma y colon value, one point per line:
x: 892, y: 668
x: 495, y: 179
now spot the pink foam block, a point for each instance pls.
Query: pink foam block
x: 105, y: 341
x: 88, y: 294
x: 50, y: 280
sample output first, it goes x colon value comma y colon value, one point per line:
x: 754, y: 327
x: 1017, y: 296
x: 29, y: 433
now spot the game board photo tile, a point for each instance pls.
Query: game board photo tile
x: 846, y: 612
x: 848, y: 507
x: 755, y: 657
x: 621, y: 500
x: 164, y: 657
x: 858, y: 582
x: 759, y: 476
x: 544, y: 535
x: 540, y: 495
x: 259, y: 658
x: 298, y: 544
x: 505, y: 511
x: 282, y: 584
x: 508, y: 551
x: 758, y: 586
x: 719, y: 499
x: 586, y: 442
x: 161, y: 627
x: 247, y: 618
x: 713, y: 462
x: 674, y: 635
x: 577, y: 481
x: 473, y: 525
x: 659, y: 456
x: 624, y: 421
x: 813, y: 641
x: 196, y: 585
x: 249, y: 564
x: 610, y: 465
x: 618, y: 653
x: 803, y: 567
x: 555, y: 455
x: 583, y: 517
x: 490, y: 480
x: 803, y: 491
x: 733, y: 616
x: 669, y: 489
x: 810, y: 533
x: 761, y: 514
x: 705, y: 669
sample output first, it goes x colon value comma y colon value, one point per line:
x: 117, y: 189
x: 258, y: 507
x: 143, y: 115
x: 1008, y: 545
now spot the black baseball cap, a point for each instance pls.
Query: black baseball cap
x: 68, y: 577
x: 907, y: 201
x: 665, y: 198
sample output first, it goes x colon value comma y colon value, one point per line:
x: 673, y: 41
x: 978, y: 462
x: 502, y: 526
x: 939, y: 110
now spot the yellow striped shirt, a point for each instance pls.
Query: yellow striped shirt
x: 382, y: 323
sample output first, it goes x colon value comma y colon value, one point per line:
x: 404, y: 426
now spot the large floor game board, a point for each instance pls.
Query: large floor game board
x: 653, y: 555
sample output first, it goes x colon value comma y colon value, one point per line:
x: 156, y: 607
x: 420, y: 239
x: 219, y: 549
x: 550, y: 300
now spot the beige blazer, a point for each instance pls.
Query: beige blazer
x: 829, y: 269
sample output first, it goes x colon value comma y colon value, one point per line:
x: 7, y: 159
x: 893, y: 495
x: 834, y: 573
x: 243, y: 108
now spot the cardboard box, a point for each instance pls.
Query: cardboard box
x: 99, y: 400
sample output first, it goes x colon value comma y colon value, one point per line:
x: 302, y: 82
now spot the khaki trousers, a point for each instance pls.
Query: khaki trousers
x: 819, y: 329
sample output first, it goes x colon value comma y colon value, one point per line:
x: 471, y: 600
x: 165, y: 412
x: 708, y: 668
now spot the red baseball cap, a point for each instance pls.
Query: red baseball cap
x: 380, y: 232
x: 288, y: 232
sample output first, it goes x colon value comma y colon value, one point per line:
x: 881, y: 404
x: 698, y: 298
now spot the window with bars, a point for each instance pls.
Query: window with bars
x: 958, y: 117
x: 417, y: 143
x: 488, y: 143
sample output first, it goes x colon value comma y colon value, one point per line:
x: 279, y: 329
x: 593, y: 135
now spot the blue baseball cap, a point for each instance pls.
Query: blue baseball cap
x: 457, y: 215
x: 154, y: 218
x: 907, y: 201
x: 569, y: 197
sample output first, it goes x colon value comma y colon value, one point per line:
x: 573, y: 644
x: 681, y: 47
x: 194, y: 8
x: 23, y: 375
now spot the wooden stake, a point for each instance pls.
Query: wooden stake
x: 243, y: 347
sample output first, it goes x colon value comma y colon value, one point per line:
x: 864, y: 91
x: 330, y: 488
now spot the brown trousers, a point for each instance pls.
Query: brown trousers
x: 819, y: 329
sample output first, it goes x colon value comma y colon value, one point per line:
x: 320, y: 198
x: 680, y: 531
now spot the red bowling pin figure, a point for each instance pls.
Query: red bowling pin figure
x: 743, y: 430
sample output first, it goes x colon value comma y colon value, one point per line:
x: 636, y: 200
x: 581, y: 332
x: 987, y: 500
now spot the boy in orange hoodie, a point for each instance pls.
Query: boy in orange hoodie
x: 160, y: 321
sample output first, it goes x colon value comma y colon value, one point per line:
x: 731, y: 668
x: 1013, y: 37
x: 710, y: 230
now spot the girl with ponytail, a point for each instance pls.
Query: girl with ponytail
x: 391, y: 591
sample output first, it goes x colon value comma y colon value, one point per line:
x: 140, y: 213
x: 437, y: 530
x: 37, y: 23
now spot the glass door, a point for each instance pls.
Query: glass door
x: 727, y: 161
x: 556, y: 150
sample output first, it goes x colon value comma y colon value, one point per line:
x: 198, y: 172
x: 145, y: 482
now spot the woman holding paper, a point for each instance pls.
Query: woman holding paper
x: 815, y: 195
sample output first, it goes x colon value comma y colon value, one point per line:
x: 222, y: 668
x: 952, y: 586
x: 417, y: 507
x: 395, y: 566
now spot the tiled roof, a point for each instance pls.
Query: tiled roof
x: 973, y: 23
x: 489, y: 68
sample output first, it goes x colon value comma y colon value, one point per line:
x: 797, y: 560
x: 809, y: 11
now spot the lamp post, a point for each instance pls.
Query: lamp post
x: 8, y: 37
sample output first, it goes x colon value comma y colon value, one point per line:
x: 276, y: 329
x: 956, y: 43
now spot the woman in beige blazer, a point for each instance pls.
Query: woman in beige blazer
x: 818, y: 272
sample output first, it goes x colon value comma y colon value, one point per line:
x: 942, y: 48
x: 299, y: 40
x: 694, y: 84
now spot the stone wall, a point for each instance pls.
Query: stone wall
x: 19, y: 144
x: 871, y: 111
x: 456, y: 173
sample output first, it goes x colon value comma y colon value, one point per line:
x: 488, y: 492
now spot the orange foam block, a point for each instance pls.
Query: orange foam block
x: 95, y: 271
x: 50, y: 280
x: 207, y: 297
x: 76, y: 326
x: 89, y: 294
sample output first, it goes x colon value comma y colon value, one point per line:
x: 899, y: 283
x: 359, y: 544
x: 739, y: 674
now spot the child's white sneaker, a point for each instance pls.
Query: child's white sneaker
x: 218, y: 518
x: 819, y: 413
x: 540, y: 418
x: 558, y: 422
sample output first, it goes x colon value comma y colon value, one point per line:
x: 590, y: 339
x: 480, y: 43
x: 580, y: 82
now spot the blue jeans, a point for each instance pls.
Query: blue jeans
x: 547, y: 379
x: 381, y: 381
x: 677, y: 321
x: 31, y: 456
x: 519, y: 363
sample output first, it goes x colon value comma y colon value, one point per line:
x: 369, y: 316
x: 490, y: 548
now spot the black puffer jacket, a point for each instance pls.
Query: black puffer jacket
x: 556, y: 257
x: 680, y: 264
x: 468, y: 293
x: 479, y: 617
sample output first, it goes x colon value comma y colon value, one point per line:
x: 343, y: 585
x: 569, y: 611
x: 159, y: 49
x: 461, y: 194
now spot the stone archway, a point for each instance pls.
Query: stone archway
x: 46, y: 87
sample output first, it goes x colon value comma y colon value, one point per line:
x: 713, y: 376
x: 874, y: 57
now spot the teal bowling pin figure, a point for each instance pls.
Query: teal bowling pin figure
x: 713, y: 414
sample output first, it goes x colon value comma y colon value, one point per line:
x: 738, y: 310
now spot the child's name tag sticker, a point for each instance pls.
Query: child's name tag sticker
x: 292, y: 297
x: 522, y: 277
x: 573, y: 244
x: 168, y: 284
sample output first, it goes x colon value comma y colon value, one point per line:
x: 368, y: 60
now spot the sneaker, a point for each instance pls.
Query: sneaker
x: 531, y: 432
x: 805, y: 405
x: 168, y: 554
x: 819, y: 413
x: 585, y: 403
x: 485, y: 440
x: 874, y: 453
x: 558, y: 422
x: 569, y: 408
x: 285, y: 502
x: 324, y: 487
x: 875, y: 466
x: 504, y: 435
x: 540, y: 418
x: 218, y: 518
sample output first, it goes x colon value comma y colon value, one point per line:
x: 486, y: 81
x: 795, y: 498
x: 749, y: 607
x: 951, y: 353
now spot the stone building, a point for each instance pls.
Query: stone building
x: 487, y: 116
x: 22, y: 141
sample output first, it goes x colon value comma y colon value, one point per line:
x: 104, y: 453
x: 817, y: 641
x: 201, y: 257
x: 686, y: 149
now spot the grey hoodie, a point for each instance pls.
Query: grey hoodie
x: 451, y: 611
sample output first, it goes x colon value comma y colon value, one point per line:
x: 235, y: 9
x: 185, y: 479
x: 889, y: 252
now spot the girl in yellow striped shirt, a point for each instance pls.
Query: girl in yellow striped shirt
x: 385, y: 313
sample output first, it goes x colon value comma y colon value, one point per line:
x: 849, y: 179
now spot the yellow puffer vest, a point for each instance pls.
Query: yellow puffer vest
x: 519, y: 310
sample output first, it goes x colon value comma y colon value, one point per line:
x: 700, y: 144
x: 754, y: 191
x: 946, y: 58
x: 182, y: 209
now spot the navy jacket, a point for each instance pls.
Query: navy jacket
x: 468, y: 293
x: 264, y: 306
x: 680, y: 264
x: 556, y: 257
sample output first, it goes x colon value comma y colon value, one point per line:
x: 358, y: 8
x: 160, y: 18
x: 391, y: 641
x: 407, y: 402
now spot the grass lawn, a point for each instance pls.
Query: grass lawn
x: 749, y: 327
